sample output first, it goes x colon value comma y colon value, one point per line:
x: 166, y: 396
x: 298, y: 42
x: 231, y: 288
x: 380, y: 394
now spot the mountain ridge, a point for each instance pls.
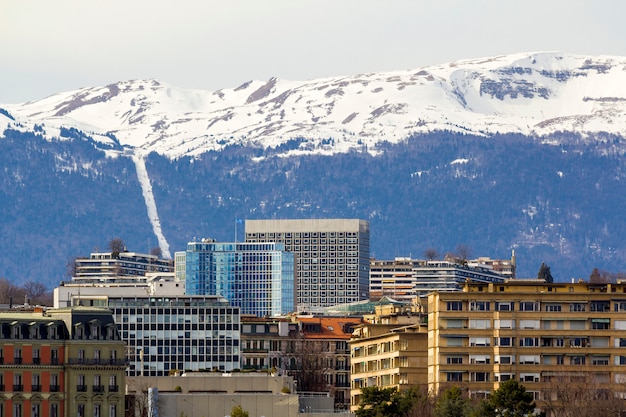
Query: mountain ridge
x: 536, y: 94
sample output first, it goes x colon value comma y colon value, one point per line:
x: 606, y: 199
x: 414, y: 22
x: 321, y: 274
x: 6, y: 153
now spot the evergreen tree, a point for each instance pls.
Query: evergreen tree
x: 544, y: 273
x: 512, y: 400
x: 451, y: 403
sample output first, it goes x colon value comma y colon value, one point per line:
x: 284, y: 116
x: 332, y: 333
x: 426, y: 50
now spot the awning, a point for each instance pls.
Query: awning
x: 600, y: 320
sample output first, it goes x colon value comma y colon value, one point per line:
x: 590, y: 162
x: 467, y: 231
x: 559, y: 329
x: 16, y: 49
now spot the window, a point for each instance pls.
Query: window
x: 96, y: 410
x: 480, y: 324
x: 112, y: 383
x: 600, y: 360
x: 81, y: 354
x: 503, y: 341
x: 529, y: 324
x: 54, y: 383
x: 479, y: 359
x: 455, y: 305
x: 577, y: 307
x: 504, y: 306
x: 36, y: 356
x: 553, y: 307
x: 534, y: 377
x: 35, y: 383
x: 455, y: 323
x: 480, y: 341
x: 501, y: 377
x: 479, y: 306
x: 96, y: 355
x: 505, y: 359
x: 503, y: 324
x: 529, y: 306
x: 112, y: 410
x: 17, y: 355
x: 54, y: 410
x: 528, y: 341
x: 54, y: 356
x: 81, y: 410
x: 454, y: 377
x: 577, y: 360
x: 35, y: 410
x: 479, y: 376
x: 454, y: 360
x: 600, y: 306
x: 17, y: 409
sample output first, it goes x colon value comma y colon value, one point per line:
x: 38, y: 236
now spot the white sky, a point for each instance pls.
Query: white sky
x: 53, y: 46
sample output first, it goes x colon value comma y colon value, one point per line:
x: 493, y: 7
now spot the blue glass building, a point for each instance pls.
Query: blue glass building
x: 256, y: 277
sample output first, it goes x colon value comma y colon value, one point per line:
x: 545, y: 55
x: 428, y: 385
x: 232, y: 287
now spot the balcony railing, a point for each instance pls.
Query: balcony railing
x: 113, y: 388
x: 35, y: 388
x: 17, y: 361
x: 81, y: 388
x: 54, y: 388
x: 54, y: 361
x: 18, y: 387
x: 1, y: 387
x: 98, y: 388
x: 103, y: 362
x: 36, y: 361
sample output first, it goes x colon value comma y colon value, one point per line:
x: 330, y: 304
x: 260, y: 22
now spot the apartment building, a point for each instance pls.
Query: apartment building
x: 256, y: 277
x: 106, y: 266
x: 535, y: 332
x: 389, y: 352
x: 404, y: 278
x: 62, y: 362
x: 313, y: 350
x: 332, y: 257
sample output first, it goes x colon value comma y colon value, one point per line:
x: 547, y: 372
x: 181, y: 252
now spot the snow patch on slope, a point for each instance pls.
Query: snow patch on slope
x: 146, y: 188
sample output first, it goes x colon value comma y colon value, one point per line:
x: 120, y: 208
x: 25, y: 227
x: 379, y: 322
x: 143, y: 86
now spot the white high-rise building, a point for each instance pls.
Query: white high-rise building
x: 332, y: 257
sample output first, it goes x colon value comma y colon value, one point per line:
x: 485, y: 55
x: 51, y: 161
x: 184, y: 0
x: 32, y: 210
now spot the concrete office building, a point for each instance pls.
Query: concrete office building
x: 256, y: 277
x: 164, y: 329
x: 332, y: 257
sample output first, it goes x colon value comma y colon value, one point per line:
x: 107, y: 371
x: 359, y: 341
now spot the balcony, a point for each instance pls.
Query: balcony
x: 18, y: 387
x: 98, y: 388
x: 1, y: 387
x: 36, y: 361
x: 54, y: 388
x: 81, y: 388
x: 54, y: 361
x: 113, y: 388
x: 17, y: 361
x: 35, y: 388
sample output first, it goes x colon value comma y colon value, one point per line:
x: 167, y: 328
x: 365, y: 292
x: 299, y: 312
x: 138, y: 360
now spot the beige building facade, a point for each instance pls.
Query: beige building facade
x: 538, y: 333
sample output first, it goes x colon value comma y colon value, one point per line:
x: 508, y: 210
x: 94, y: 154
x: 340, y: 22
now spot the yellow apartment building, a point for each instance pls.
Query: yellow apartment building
x: 535, y: 332
x: 389, y: 353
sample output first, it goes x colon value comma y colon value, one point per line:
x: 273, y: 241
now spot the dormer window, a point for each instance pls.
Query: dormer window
x: 16, y: 331
x: 34, y: 332
x: 79, y: 332
x: 53, y: 332
x: 94, y: 328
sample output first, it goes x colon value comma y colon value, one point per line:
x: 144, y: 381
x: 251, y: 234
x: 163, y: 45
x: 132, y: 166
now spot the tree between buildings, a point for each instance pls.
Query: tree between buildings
x: 544, y: 273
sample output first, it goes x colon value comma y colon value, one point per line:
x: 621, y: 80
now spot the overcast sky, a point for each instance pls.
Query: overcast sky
x: 54, y: 46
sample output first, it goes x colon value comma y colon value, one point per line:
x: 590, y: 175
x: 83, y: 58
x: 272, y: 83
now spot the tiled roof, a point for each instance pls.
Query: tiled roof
x: 331, y: 327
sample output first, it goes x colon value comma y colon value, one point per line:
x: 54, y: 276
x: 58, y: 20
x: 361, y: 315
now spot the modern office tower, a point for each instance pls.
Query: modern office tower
x: 110, y: 267
x: 332, y: 257
x: 548, y: 336
x: 165, y: 331
x: 62, y: 362
x: 256, y: 277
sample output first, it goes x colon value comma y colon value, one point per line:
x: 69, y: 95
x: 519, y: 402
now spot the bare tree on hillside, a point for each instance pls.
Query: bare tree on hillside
x: 431, y: 254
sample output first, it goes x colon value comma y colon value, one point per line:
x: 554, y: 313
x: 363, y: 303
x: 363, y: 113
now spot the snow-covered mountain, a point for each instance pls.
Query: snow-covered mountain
x: 460, y: 153
x: 533, y: 94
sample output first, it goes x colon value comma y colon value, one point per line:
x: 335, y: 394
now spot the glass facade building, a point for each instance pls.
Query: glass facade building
x: 256, y: 277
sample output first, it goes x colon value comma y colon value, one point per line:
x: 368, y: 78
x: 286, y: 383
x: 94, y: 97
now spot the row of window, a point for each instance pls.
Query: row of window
x: 593, y: 306
x: 534, y: 324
